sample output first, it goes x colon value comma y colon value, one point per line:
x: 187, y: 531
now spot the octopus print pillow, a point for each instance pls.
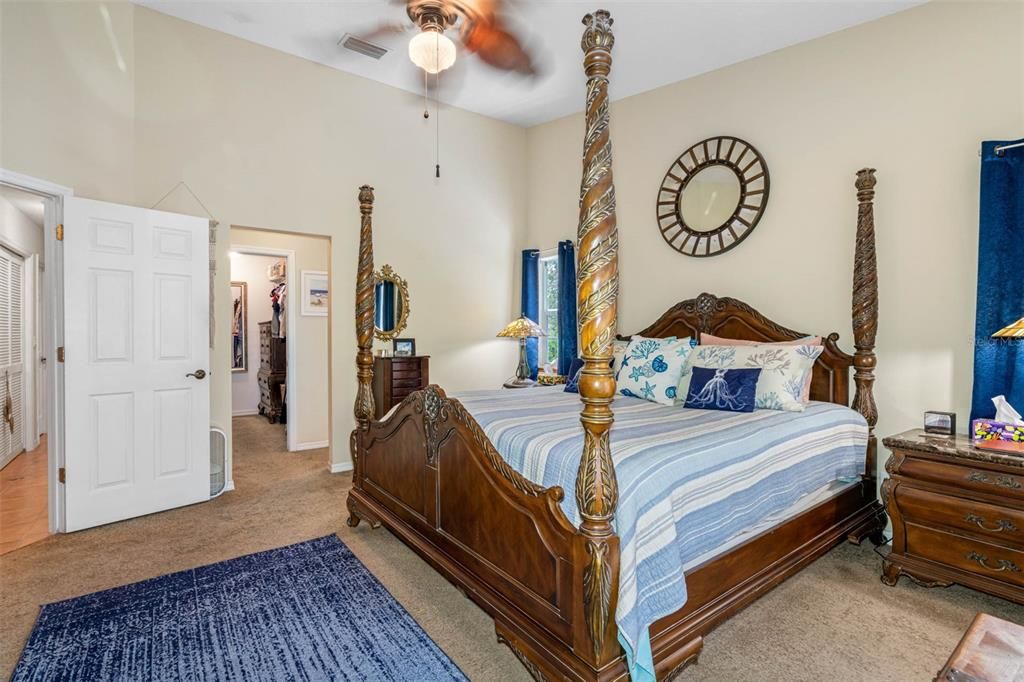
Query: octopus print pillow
x: 731, y: 390
x: 785, y: 370
x: 651, y: 368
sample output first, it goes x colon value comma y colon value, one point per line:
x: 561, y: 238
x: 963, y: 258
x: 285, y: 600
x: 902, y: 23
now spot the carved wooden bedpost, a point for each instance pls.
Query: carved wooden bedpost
x: 597, y: 290
x: 364, y: 407
x: 865, y: 312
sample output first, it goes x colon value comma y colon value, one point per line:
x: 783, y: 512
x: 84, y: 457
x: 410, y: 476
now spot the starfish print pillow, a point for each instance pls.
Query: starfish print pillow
x: 651, y: 368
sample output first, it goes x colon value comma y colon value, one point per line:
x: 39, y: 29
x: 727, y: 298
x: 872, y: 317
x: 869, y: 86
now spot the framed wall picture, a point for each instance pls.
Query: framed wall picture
x: 315, y: 297
x: 239, y: 327
x: 404, y: 347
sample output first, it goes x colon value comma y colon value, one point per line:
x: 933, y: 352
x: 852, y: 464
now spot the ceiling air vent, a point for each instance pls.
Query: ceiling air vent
x: 356, y: 44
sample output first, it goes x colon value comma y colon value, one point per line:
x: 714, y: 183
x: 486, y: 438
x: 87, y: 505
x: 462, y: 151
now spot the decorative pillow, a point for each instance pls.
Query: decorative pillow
x: 732, y: 390
x: 651, y: 368
x: 710, y: 340
x: 618, y: 352
x: 572, y: 383
x: 784, y: 371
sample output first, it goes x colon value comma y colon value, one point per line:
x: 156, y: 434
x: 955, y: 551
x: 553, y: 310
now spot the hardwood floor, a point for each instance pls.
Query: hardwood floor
x: 23, y: 516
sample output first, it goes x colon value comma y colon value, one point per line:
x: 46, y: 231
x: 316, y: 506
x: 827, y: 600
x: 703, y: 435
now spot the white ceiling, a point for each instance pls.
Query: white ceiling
x: 657, y: 42
x: 29, y: 204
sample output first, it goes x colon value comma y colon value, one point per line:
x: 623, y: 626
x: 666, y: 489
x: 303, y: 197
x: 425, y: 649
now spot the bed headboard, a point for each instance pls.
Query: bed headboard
x: 733, y: 319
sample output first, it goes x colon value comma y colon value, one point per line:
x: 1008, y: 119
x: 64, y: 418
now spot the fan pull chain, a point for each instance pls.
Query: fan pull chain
x: 437, y: 124
x: 426, y: 89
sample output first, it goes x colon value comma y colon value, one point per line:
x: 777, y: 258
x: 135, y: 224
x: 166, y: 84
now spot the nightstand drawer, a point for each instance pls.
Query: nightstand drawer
x: 964, y: 476
x: 974, y: 556
x: 411, y: 382
x: 1000, y: 524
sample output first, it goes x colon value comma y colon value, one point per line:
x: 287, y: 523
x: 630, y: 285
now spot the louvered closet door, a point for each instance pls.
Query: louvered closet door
x: 12, y: 367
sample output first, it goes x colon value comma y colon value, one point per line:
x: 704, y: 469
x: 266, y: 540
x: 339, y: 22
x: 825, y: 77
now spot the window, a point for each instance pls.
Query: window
x: 547, y: 346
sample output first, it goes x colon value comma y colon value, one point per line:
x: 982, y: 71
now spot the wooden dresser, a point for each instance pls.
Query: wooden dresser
x: 272, y: 375
x: 396, y: 377
x: 957, y: 514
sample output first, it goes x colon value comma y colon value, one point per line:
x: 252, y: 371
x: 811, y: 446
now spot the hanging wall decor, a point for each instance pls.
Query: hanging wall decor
x: 315, y: 296
x: 712, y: 196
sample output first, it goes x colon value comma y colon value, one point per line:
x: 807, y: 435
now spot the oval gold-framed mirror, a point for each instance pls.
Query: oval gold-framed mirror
x: 712, y: 196
x: 391, y: 303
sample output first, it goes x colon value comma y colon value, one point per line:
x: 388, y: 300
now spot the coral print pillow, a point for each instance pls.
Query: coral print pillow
x: 651, y: 368
x: 732, y: 390
x: 784, y: 371
x: 618, y: 352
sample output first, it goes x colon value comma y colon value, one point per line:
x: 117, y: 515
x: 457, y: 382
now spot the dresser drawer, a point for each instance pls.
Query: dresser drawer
x: 964, y: 477
x: 974, y: 556
x: 1000, y: 524
x: 406, y: 373
x: 411, y: 382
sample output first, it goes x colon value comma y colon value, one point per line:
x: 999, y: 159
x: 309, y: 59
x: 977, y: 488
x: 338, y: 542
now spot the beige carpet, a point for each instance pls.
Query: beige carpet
x: 835, y: 620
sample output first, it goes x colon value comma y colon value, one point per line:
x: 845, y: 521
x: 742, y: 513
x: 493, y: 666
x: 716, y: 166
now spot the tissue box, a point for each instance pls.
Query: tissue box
x: 992, y: 435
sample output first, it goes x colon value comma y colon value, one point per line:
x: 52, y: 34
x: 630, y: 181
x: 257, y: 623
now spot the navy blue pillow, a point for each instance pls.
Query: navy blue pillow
x: 572, y: 383
x: 731, y: 390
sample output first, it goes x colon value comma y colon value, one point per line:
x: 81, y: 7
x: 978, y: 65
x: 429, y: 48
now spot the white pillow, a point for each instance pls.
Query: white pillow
x: 784, y: 371
x: 618, y: 352
x: 651, y: 368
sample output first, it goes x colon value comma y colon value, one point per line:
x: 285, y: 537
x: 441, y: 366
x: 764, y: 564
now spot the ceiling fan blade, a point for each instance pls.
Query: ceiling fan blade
x: 495, y: 45
x: 383, y: 31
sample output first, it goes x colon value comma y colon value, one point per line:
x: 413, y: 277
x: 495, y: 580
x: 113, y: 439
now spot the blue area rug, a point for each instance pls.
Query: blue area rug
x: 310, y: 611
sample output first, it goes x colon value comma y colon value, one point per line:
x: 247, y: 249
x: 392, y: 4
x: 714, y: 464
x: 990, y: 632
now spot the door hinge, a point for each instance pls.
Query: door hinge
x: 60, y: 232
x: 60, y: 353
x: 60, y: 474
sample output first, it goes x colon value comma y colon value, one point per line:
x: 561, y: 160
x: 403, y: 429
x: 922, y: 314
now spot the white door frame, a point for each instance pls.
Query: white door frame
x: 291, y: 394
x: 53, y: 284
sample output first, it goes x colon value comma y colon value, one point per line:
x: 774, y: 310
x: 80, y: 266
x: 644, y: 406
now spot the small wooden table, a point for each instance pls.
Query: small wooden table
x: 992, y: 650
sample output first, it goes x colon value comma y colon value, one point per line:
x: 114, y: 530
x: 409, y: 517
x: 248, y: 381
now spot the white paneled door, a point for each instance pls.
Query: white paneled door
x: 136, y: 330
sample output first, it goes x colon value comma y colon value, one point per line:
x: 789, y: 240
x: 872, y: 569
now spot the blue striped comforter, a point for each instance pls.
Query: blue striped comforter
x: 689, y: 480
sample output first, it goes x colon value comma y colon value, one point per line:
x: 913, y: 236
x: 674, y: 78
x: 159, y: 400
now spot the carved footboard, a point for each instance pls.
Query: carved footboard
x: 429, y: 474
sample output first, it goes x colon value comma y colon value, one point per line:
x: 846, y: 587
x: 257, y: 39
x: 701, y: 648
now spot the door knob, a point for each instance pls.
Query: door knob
x: 198, y: 374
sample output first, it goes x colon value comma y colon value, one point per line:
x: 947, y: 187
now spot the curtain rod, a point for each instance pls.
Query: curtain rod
x: 1000, y: 149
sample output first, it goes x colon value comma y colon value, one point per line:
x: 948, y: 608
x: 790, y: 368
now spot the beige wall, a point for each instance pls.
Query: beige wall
x: 912, y: 95
x: 310, y: 421
x: 271, y: 140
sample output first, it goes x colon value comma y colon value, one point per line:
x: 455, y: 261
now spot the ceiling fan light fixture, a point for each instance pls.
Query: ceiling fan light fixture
x: 432, y: 51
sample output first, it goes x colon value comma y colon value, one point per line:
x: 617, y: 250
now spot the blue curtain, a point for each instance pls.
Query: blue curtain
x: 999, y: 363
x: 531, y: 301
x: 567, y: 330
x: 385, y: 305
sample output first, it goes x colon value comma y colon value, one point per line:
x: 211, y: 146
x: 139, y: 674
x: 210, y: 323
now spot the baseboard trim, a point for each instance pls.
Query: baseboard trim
x: 313, y: 445
x: 340, y: 467
x: 244, y: 413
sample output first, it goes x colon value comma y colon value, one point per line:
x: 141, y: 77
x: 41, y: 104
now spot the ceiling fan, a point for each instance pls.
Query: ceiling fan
x: 481, y: 30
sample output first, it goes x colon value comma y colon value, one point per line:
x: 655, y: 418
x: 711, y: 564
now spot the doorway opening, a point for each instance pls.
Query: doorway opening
x: 280, y: 386
x: 27, y: 497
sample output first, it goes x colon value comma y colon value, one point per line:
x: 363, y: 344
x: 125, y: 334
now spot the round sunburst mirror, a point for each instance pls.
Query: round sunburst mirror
x: 712, y: 196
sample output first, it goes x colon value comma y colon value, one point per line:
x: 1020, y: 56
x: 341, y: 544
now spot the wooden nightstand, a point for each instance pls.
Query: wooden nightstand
x: 957, y: 514
x: 395, y: 377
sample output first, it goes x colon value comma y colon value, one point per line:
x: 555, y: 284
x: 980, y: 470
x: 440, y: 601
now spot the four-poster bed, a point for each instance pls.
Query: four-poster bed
x: 430, y: 474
